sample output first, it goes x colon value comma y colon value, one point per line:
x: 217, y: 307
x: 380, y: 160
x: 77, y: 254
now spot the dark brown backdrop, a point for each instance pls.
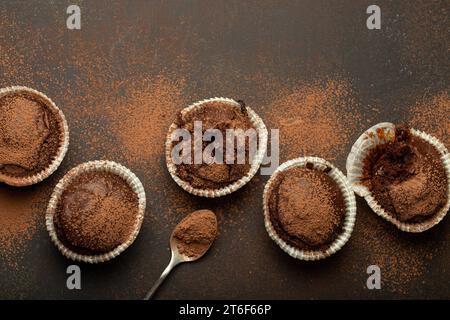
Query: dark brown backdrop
x: 224, y: 48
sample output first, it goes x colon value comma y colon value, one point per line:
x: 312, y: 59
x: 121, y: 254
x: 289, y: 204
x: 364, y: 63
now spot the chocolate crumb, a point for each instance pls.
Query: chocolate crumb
x: 327, y: 170
x: 242, y: 104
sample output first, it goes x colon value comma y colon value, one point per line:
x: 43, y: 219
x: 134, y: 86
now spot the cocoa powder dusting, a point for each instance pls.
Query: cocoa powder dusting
x: 422, y: 33
x: 22, y: 210
x: 140, y: 122
x: 20, y: 215
x: 195, y: 233
x: 315, y: 118
x: 96, y: 213
x: 431, y: 114
x: 403, y: 258
x: 29, y: 135
x: 306, y: 208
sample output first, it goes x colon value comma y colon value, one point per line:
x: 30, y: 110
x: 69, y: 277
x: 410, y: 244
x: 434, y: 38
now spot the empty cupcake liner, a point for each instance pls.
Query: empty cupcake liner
x: 102, y: 166
x: 64, y: 143
x: 380, y: 134
x: 350, y: 209
x: 257, y: 160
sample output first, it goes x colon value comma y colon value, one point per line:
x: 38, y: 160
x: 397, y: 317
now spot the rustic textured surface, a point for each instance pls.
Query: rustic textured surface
x: 122, y: 77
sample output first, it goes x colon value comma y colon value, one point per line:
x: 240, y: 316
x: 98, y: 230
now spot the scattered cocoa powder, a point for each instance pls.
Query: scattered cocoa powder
x: 140, y: 122
x: 195, y: 233
x: 20, y: 214
x: 315, y: 118
x: 96, y: 213
x: 404, y: 259
x: 22, y: 210
x: 407, y: 177
x: 431, y: 114
x: 421, y: 34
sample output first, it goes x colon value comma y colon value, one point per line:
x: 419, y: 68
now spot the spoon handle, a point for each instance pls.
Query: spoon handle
x: 173, y: 263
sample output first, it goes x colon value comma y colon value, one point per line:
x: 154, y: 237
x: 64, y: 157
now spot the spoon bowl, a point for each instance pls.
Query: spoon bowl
x: 177, y: 257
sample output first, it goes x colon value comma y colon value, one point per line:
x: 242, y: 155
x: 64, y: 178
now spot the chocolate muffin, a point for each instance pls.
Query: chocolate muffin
x: 31, y: 134
x: 231, y: 120
x: 306, y: 207
x: 96, y: 213
x: 406, y: 177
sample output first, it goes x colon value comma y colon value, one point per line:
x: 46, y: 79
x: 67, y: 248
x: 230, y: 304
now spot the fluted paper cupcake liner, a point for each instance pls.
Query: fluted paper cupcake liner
x: 349, y: 201
x: 258, y: 124
x: 64, y: 142
x: 98, y: 166
x: 380, y: 134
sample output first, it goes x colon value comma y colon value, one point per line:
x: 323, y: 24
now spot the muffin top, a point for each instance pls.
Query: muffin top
x: 218, y: 172
x: 306, y: 208
x: 407, y: 177
x: 30, y: 134
x: 96, y: 213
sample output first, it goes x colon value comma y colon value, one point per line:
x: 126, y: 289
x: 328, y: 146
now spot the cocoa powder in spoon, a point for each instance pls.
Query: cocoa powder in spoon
x: 195, y: 233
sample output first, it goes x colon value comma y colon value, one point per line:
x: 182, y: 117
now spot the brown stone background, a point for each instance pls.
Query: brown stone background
x: 121, y: 78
